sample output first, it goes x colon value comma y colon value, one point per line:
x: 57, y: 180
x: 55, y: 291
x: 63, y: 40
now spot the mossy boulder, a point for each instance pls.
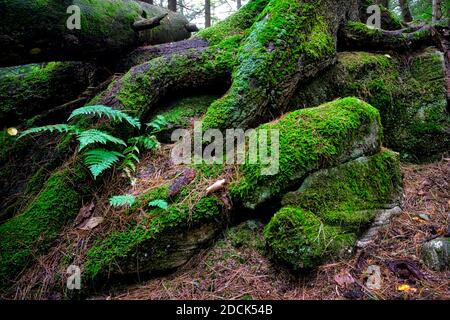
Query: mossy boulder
x: 409, y: 93
x: 31, y: 233
x: 436, y: 254
x: 310, y: 140
x: 324, y: 218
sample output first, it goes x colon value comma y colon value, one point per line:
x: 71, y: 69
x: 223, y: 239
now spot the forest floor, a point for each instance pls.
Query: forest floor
x: 236, y: 267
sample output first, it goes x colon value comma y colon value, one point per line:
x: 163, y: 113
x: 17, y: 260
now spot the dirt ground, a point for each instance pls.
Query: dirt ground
x: 236, y: 267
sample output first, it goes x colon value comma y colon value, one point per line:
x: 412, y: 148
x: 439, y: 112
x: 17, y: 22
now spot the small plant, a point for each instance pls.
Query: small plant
x: 97, y: 159
x: 159, y: 203
x: 121, y: 201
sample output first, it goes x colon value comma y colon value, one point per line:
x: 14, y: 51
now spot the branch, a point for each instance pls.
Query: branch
x: 357, y: 35
x: 146, y: 24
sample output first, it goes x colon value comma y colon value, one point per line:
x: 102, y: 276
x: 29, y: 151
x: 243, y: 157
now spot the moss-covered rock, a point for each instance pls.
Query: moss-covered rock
x: 309, y: 140
x: 29, y: 234
x: 332, y: 208
x: 301, y: 240
x: 410, y: 97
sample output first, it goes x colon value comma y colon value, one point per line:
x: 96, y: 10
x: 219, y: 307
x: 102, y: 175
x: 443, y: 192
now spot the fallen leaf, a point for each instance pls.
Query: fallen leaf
x: 219, y: 184
x: 12, y: 131
x: 344, y: 278
x: 91, y: 223
x: 406, y: 288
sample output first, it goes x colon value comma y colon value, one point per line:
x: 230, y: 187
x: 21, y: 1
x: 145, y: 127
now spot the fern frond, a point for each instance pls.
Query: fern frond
x: 99, y: 160
x: 120, y: 201
x: 157, y: 124
x: 159, y: 203
x: 88, y: 137
x: 100, y: 110
x: 51, y: 128
x: 144, y: 142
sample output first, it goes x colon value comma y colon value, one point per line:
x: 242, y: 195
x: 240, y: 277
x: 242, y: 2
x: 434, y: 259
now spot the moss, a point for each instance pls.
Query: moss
x: 40, y: 87
x: 348, y: 195
x: 237, y: 23
x: 151, y: 235
x: 286, y: 32
x: 32, y: 232
x: 310, y: 139
x: 410, y: 97
x: 299, y: 239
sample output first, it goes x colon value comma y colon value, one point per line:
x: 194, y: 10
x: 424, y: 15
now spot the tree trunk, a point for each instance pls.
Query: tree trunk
x: 406, y: 11
x: 207, y: 13
x: 437, y: 10
x: 38, y: 32
x: 172, y: 5
x: 238, y: 4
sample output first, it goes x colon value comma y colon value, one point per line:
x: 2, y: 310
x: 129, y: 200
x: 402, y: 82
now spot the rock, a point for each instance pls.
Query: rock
x: 436, y: 254
x: 324, y: 218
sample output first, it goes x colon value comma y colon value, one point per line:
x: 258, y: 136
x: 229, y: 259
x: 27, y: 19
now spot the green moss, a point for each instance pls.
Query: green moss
x: 286, y: 32
x: 234, y: 24
x: 153, y: 232
x: 410, y: 97
x: 32, y: 232
x: 348, y: 195
x: 300, y: 239
x: 309, y: 139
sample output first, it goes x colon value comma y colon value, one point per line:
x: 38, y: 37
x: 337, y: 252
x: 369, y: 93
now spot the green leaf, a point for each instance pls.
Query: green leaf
x: 92, y: 136
x: 51, y: 128
x: 157, y: 124
x: 99, y: 160
x: 159, y: 203
x: 120, y: 201
x: 144, y: 142
x: 100, y: 110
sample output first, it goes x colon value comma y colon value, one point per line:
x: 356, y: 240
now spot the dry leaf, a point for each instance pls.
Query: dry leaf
x: 12, y: 131
x: 406, y: 288
x: 91, y: 223
x: 344, y: 278
x: 219, y: 184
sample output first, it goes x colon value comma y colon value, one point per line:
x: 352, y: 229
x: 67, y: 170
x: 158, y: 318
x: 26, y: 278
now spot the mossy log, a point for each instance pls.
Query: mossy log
x: 29, y: 91
x: 36, y: 31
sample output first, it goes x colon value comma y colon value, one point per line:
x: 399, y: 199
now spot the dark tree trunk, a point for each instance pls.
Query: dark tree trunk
x: 172, y: 5
x: 437, y: 10
x: 406, y: 11
x: 207, y: 13
x: 238, y: 4
x: 36, y: 31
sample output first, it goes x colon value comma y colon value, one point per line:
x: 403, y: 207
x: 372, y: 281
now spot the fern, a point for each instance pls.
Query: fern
x: 120, y: 201
x: 91, y: 136
x: 144, y: 142
x: 108, y: 112
x: 159, y: 203
x: 99, y: 160
x: 157, y: 124
x: 51, y: 128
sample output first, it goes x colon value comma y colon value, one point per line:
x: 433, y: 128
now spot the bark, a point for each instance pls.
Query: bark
x: 437, y: 10
x: 106, y: 30
x: 359, y: 36
x: 238, y: 4
x: 207, y: 13
x: 172, y: 5
x: 405, y: 10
